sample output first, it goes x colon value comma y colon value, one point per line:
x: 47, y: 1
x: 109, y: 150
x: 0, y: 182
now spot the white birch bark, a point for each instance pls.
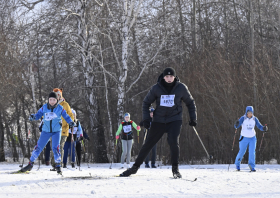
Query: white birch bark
x: 127, y: 22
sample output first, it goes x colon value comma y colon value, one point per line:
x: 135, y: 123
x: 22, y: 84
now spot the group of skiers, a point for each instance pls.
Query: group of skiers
x: 59, y: 126
x: 168, y: 93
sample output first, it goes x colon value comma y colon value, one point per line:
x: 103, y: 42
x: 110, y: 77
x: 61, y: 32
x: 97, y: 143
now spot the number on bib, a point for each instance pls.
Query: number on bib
x: 127, y: 128
x: 50, y: 116
x: 167, y: 100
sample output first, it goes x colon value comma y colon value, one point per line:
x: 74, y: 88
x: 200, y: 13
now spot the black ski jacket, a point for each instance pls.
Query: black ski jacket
x: 164, y: 114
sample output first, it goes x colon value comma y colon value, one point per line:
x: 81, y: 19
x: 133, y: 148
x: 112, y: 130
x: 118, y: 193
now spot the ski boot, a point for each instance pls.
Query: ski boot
x: 27, y: 168
x: 237, y: 168
x: 253, y: 170
x: 175, y: 171
x: 64, y: 166
x: 130, y: 171
x: 53, y: 168
x: 58, y: 169
x: 154, y: 166
x: 147, y: 166
x: 73, y: 165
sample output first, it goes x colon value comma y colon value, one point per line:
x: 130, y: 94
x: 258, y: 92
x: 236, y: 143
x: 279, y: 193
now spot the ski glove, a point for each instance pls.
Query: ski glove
x: 265, y: 128
x: 81, y: 138
x: 117, y: 136
x: 72, y: 124
x: 192, y: 123
x: 236, y: 124
x: 138, y: 128
x: 32, y: 117
x: 146, y: 124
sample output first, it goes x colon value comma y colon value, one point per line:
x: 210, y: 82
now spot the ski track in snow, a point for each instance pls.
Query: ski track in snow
x: 212, y: 181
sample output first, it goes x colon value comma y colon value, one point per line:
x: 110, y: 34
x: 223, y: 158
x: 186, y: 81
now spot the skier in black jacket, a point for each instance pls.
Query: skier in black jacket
x: 168, y: 93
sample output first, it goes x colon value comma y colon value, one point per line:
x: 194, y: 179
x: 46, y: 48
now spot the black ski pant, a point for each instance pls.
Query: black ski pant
x: 157, y: 130
x: 78, y: 151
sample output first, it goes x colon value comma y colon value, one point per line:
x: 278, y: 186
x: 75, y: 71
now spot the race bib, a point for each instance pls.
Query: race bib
x: 167, y: 100
x: 127, y: 128
x: 50, y: 116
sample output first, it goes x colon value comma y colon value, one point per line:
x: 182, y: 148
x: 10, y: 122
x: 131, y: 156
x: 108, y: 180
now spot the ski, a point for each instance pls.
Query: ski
x: 19, y: 172
x: 190, y: 180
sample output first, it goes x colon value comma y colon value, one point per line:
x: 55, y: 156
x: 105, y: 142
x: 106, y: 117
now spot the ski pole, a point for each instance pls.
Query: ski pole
x: 209, y: 156
x: 82, y: 141
x: 138, y: 129
x: 262, y: 140
x: 25, y: 152
x: 72, y: 140
x: 232, y: 146
x: 145, y: 136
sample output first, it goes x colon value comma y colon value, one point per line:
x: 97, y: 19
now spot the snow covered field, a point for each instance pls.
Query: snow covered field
x: 212, y: 181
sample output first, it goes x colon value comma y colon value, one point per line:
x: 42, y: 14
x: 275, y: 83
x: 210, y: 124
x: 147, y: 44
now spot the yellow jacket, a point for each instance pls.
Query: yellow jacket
x: 65, y: 126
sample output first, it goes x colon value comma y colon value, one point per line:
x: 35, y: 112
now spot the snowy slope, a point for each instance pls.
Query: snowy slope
x: 212, y: 181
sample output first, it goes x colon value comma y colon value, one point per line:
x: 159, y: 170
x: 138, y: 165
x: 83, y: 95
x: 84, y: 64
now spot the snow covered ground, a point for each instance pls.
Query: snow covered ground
x: 212, y: 181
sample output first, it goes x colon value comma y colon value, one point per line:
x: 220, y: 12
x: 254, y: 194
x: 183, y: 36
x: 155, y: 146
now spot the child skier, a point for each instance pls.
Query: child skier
x: 248, y: 137
x: 51, y: 113
x: 70, y: 144
x: 127, y: 138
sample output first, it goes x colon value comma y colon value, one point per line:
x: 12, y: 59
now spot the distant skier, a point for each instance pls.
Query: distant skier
x: 77, y: 133
x: 127, y: 138
x: 168, y: 93
x: 153, y: 152
x: 248, y: 137
x: 51, y: 113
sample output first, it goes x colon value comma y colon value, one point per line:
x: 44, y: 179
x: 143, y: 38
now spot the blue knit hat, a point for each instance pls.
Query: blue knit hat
x: 126, y: 114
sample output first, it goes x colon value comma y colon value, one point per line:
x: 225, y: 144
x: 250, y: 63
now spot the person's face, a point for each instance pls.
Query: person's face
x: 151, y: 114
x: 52, y: 101
x: 169, y: 78
x: 249, y: 114
x: 126, y: 118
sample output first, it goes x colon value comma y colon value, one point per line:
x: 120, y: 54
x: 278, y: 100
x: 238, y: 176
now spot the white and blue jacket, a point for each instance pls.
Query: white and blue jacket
x: 77, y: 129
x: 52, y: 118
x: 248, y: 124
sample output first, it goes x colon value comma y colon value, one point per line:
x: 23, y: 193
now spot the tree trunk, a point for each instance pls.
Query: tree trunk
x: 2, y: 151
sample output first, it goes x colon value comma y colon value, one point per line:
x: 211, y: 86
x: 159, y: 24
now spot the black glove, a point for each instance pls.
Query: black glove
x: 192, y: 123
x: 88, y: 138
x: 146, y: 123
x: 81, y: 138
x: 31, y: 117
x: 72, y: 124
x: 236, y: 123
x: 265, y: 128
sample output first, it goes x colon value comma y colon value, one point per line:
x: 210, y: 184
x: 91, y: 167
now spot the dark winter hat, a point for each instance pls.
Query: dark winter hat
x: 53, y: 95
x: 169, y: 71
